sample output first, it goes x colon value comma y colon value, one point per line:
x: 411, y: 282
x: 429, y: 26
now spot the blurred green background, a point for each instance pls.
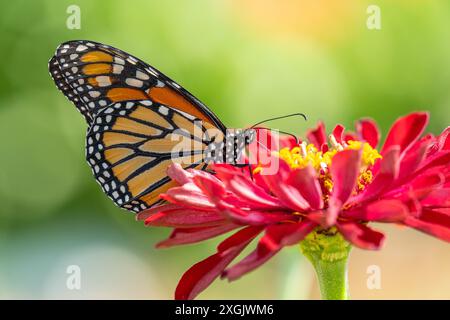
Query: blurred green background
x: 246, y: 59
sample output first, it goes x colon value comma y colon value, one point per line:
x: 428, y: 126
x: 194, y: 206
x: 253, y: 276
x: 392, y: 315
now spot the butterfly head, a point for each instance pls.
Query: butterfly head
x: 236, y: 142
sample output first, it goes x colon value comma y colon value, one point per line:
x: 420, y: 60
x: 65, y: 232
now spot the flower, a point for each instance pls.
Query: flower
x: 335, y: 186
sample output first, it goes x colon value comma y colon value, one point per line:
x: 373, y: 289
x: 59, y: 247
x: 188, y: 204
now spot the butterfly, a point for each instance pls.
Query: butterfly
x: 136, y: 117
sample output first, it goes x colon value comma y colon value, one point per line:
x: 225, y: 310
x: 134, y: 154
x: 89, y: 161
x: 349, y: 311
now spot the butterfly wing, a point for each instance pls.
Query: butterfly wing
x: 93, y: 75
x: 131, y: 143
x: 136, y: 115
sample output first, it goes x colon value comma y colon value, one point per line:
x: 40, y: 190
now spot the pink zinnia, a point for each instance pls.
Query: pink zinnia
x: 335, y: 187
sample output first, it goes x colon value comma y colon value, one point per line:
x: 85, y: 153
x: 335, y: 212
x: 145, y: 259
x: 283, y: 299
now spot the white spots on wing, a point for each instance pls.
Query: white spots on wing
x: 81, y: 48
x: 119, y: 60
x: 164, y: 110
x: 146, y: 102
x: 103, y: 81
x: 94, y: 94
x: 74, y: 69
x: 159, y: 84
x: 117, y: 68
x: 141, y: 75
x: 134, y: 82
x: 73, y: 56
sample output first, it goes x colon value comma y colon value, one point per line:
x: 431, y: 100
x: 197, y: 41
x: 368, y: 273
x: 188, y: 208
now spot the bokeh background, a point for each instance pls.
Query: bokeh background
x: 246, y: 59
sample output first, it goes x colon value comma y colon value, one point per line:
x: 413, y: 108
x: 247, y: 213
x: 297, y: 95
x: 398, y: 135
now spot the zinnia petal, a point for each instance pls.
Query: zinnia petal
x: 317, y: 136
x: 405, y: 131
x: 252, y: 193
x: 180, y: 236
x: 435, y: 225
x: 368, y: 131
x: 274, y: 239
x: 388, y: 210
x: 385, y: 176
x: 361, y: 235
x: 306, y: 182
x: 286, y: 193
x: 185, y: 218
x: 201, y: 274
x: 188, y: 198
x: 344, y: 171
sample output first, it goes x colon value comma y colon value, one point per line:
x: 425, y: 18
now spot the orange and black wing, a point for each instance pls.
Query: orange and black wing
x: 93, y: 75
x: 135, y: 116
x: 131, y: 143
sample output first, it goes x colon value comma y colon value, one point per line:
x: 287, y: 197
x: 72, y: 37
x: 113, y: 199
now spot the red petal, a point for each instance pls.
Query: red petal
x: 426, y: 183
x: 440, y: 158
x: 149, y: 212
x: 177, y: 173
x: 286, y: 193
x: 438, y: 198
x: 412, y: 160
x: 203, y: 273
x: 386, y: 174
x: 306, y: 182
x: 444, y: 139
x: 344, y: 172
x: 442, y: 142
x: 193, y: 235
x: 361, y: 235
x: 382, y: 211
x: 368, y: 131
x: 406, y: 130
x: 254, y: 217
x: 210, y: 185
x: 438, y: 230
x: 338, y: 133
x: 252, y: 193
x: 273, y: 240
x: 185, y: 218
x: 317, y: 136
x: 436, y: 217
x: 187, y: 198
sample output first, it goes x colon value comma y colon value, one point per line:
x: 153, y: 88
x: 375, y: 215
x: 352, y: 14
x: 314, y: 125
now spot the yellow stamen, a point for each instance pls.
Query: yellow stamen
x: 307, y: 154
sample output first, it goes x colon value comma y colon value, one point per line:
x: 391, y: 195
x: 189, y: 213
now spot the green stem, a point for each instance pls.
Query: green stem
x: 328, y: 252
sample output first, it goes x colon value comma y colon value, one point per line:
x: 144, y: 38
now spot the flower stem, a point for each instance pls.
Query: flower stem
x: 328, y: 252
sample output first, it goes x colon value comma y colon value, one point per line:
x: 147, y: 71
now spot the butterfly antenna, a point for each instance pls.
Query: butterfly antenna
x: 281, y: 117
x: 283, y: 132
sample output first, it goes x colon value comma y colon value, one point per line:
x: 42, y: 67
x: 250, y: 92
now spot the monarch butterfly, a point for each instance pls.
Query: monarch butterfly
x: 135, y: 116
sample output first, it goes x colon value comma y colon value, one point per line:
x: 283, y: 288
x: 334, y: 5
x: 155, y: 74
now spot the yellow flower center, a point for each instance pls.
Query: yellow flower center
x: 307, y: 154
